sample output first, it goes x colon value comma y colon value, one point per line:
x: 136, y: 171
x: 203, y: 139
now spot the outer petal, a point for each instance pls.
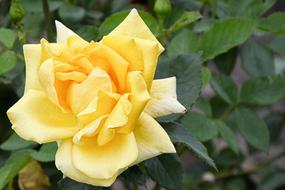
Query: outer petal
x: 63, y: 33
x: 134, y: 26
x: 63, y: 161
x: 163, y: 98
x: 151, y: 138
x: 32, y: 54
x: 103, y: 162
x: 35, y: 117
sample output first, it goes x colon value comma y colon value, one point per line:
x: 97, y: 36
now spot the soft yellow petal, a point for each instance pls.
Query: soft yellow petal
x: 103, y: 162
x: 47, y: 79
x: 151, y: 138
x: 63, y: 33
x: 89, y: 130
x: 128, y: 49
x: 134, y: 26
x: 163, y: 98
x: 109, y: 60
x: 80, y: 95
x: 63, y: 162
x: 119, y: 115
x: 142, y: 55
x: 117, y: 118
x: 35, y: 117
x: 150, y: 56
x: 104, y: 105
x: 139, y: 97
x: 32, y: 54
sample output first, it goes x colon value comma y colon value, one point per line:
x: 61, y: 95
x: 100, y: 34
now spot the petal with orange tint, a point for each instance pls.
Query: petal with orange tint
x: 80, y: 95
x: 35, y: 117
x: 111, y: 61
x: 128, y: 49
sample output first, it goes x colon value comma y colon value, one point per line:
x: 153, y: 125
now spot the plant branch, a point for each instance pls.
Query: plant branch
x: 252, y: 170
x: 48, y: 23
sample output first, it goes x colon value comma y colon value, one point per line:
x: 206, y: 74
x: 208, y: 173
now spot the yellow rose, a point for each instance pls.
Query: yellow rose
x: 97, y: 100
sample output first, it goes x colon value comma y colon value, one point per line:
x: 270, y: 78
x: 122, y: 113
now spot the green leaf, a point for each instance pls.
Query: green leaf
x: 228, y: 135
x: 226, y: 61
x: 12, y: 166
x: 272, y: 180
x: 69, y: 184
x: 8, y: 60
x: 204, y: 106
x: 7, y: 37
x: 256, y: 59
x: 248, y: 8
x: 263, y: 90
x: 226, y: 88
x: 187, y: 70
x: 88, y: 33
x: 278, y: 45
x: 14, y: 142
x: 179, y: 135
x: 274, y: 23
x: 114, y: 20
x: 199, y: 126
x: 206, y: 76
x: 184, y: 42
x: 225, y: 35
x: 252, y: 128
x: 166, y: 170
x: 46, y: 152
x: 185, y: 19
x: 71, y: 13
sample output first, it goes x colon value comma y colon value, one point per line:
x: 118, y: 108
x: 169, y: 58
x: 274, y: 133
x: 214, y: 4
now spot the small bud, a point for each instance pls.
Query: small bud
x: 16, y: 11
x: 162, y: 7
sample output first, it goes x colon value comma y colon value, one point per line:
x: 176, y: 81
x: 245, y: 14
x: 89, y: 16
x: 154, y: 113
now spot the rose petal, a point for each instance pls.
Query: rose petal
x: 32, y: 54
x: 63, y: 161
x: 80, y: 95
x: 35, y: 117
x: 151, y: 138
x: 163, y: 98
x: 142, y: 55
x: 134, y: 26
x: 103, y: 162
x: 63, y: 33
x: 139, y: 97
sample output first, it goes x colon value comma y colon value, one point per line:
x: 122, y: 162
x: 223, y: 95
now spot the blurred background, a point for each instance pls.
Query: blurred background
x: 229, y: 59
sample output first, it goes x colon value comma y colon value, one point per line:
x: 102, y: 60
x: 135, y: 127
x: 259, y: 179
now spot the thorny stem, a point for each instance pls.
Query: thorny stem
x: 48, y: 22
x: 251, y: 170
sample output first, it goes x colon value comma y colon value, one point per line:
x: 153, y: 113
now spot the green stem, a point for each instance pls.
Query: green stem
x: 48, y: 22
x: 10, y: 185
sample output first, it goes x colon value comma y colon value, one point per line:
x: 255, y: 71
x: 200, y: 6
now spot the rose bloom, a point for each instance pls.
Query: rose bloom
x: 98, y: 100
